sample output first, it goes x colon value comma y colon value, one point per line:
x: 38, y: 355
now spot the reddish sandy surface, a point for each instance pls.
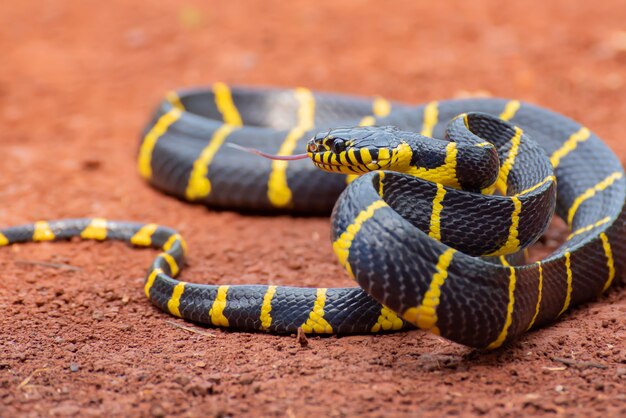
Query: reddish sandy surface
x: 78, y: 80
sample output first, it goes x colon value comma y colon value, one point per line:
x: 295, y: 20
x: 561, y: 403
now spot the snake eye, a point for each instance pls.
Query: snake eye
x: 338, y: 146
x: 313, y: 147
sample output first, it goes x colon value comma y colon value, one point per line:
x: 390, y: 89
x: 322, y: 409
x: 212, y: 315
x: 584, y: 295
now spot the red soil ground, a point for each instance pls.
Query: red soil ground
x: 78, y: 80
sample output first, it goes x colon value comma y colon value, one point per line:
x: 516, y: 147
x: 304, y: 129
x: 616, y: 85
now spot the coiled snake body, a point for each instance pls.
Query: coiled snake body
x: 431, y: 246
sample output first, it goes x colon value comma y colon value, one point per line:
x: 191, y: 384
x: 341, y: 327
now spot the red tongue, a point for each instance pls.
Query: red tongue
x: 266, y: 155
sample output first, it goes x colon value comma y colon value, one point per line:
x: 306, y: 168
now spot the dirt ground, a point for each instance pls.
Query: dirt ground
x: 78, y: 79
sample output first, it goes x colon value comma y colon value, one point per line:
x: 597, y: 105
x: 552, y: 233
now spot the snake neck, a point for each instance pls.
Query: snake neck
x: 463, y: 160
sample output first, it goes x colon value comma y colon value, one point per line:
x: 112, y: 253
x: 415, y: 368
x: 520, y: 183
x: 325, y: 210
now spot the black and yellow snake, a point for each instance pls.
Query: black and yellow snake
x: 432, y: 230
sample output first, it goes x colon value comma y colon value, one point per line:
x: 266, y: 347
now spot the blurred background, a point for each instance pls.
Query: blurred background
x: 106, y: 64
x: 81, y: 77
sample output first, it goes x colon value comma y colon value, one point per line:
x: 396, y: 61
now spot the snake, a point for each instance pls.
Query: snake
x: 433, y: 207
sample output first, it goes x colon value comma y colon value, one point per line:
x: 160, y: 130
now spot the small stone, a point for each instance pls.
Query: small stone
x: 74, y: 367
x: 200, y: 364
x: 559, y: 388
x: 199, y: 388
x: 247, y: 379
x: 125, y: 327
x: 215, y: 378
x: 97, y: 315
x: 156, y: 411
x: 91, y: 165
x: 98, y: 366
x: 182, y: 380
x: 64, y: 410
x: 481, y: 408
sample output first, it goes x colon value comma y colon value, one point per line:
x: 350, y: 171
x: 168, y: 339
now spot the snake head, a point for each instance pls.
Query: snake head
x: 354, y: 150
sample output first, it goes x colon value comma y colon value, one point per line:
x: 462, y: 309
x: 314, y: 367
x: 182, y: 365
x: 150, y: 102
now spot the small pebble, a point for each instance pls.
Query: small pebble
x: 156, y: 411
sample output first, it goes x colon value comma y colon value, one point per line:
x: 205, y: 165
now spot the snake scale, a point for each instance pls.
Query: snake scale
x: 433, y: 208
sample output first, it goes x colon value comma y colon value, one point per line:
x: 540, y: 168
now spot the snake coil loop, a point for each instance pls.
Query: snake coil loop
x: 431, y: 246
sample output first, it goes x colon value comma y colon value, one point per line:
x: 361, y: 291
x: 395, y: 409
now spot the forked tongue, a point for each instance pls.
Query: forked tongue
x: 266, y: 155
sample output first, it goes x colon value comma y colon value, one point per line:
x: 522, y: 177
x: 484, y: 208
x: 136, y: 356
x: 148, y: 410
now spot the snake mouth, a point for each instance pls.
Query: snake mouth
x: 337, y: 167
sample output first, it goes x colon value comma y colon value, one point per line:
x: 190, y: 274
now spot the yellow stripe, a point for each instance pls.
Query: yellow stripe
x: 341, y: 246
x: 510, y: 109
x: 465, y: 119
x: 171, y: 262
x: 570, y: 145
x: 381, y: 107
x: 97, y: 229
x: 536, y: 186
x: 387, y: 321
x: 512, y: 242
x: 501, y: 183
x: 539, y: 295
x: 589, y: 227
x: 266, y: 308
x: 381, y: 177
x: 143, y: 237
x: 425, y: 315
x: 278, y: 191
x: 383, y: 154
x: 444, y: 174
x: 174, y: 100
x: 589, y: 193
x: 199, y: 185
x: 351, y: 155
x: 366, y: 157
x: 351, y: 177
x: 435, y: 216
x: 42, y: 232
x: 316, y: 322
x: 150, y: 281
x: 3, y: 240
x: 431, y: 116
x: 172, y: 239
x: 144, y: 160
x: 509, y: 309
x: 217, y: 309
x: 568, y: 294
x: 225, y: 104
x: 484, y: 144
x: 174, y: 302
x: 367, y: 121
x: 609, y: 260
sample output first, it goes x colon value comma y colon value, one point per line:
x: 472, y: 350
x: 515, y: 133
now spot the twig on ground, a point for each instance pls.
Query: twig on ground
x: 24, y: 382
x: 50, y: 265
x: 579, y: 364
x: 189, y: 329
x: 301, y: 338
